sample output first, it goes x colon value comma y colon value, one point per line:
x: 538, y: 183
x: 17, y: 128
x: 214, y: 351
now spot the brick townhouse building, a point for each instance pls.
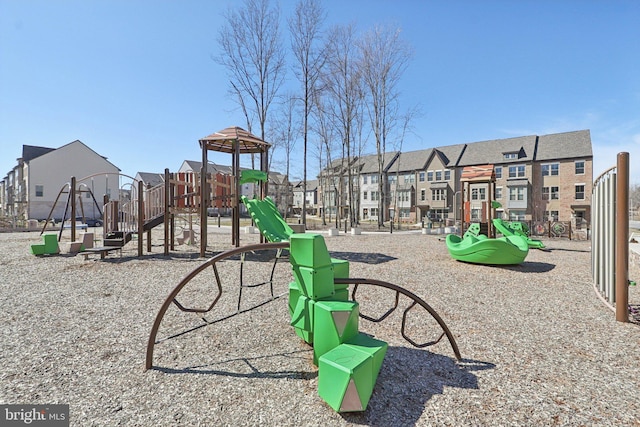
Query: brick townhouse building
x: 536, y: 178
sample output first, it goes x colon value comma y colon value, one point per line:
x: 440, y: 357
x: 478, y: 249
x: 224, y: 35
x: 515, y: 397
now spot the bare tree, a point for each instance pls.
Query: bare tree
x: 305, y: 26
x: 384, y: 57
x: 341, y: 80
x: 323, y: 128
x: 253, y: 55
x: 285, y: 132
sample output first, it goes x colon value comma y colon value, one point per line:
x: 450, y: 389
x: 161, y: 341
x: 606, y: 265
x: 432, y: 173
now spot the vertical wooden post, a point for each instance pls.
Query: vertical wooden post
x: 167, y: 210
x: 622, y: 238
x: 204, y: 201
x: 73, y: 208
x: 141, y: 220
x: 236, y: 195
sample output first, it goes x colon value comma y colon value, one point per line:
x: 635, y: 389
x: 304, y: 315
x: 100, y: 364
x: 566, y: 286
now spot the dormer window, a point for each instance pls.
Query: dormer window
x: 510, y: 156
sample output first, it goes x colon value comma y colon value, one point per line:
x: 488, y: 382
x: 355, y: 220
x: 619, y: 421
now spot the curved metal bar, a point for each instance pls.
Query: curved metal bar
x: 172, y: 295
x: 385, y: 315
x: 409, y: 294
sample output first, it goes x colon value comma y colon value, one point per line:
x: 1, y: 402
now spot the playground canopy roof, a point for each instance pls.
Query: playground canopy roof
x: 224, y: 141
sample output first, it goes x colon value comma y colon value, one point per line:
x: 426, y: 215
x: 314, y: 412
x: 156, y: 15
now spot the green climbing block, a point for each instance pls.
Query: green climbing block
x: 340, y: 268
x: 308, y: 250
x: 50, y: 243
x: 345, y: 378
x: 315, y: 283
x: 37, y: 249
x: 334, y: 322
x: 302, y: 316
x: 341, y: 294
x: 376, y: 349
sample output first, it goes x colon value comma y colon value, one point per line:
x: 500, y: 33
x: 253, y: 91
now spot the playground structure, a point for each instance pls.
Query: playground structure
x: 139, y: 209
x: 321, y: 312
x: 516, y: 228
x: 477, y: 248
x: 610, y: 248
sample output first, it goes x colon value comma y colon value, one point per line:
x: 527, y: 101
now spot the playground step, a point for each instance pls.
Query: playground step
x: 117, y: 238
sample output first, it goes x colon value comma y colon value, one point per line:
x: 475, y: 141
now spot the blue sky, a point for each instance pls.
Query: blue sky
x: 135, y: 81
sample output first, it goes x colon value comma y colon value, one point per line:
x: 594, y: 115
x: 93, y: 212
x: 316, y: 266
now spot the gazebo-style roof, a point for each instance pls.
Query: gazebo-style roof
x: 224, y: 140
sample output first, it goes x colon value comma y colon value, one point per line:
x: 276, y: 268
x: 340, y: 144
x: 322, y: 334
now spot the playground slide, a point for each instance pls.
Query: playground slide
x: 520, y: 230
x: 268, y: 220
x: 501, y: 251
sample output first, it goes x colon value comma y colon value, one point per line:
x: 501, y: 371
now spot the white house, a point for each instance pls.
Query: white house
x: 42, y: 175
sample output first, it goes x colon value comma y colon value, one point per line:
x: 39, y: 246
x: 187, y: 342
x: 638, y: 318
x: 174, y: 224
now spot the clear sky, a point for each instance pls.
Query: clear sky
x: 135, y: 79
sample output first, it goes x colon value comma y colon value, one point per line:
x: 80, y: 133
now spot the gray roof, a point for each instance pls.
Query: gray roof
x: 492, y: 152
x: 211, y: 167
x: 450, y: 154
x: 312, y: 185
x: 411, y: 160
x: 151, y: 178
x: 30, y: 152
x: 565, y: 145
x: 370, y: 162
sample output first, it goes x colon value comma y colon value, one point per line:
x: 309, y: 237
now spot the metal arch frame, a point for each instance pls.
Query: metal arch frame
x: 279, y: 246
x: 416, y: 300
x: 211, y: 262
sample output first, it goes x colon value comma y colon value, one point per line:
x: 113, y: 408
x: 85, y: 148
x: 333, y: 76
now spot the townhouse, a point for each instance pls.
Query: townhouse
x: 532, y: 178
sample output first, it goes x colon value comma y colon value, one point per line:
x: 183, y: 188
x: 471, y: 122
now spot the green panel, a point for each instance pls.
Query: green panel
x: 345, y: 379
x: 309, y: 250
x: 376, y: 349
x: 50, y: 243
x: 305, y: 335
x: 315, y: 283
x: 37, y: 249
x: 302, y: 316
x: 334, y: 322
x: 340, y: 268
x: 341, y: 294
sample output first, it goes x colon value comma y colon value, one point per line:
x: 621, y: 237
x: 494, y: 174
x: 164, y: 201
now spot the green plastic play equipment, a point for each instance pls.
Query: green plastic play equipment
x: 266, y: 217
x: 348, y: 361
x: 48, y: 246
x: 516, y: 228
x: 252, y: 175
x: 482, y: 250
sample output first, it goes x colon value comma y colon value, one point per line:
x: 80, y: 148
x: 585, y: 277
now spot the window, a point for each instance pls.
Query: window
x: 439, y: 194
x: 421, y: 177
x: 551, y: 216
x: 550, y: 169
x: 510, y: 156
x: 447, y: 175
x: 516, y: 171
x: 438, y: 175
x: 498, y: 193
x: 550, y: 193
x: 374, y: 179
x: 516, y: 215
x: 364, y: 195
x: 364, y: 179
x: 365, y: 213
x: 423, y: 194
x: 579, y: 167
x: 554, y: 193
x: 405, y: 213
x: 392, y: 179
x: 475, y: 214
x: 545, y: 193
x: 498, y: 171
x: 375, y: 195
x: 429, y: 175
x: 478, y: 193
x: 409, y: 178
x: 374, y: 212
x: 40, y: 191
x: 516, y: 193
x: 404, y: 196
x: 579, y: 191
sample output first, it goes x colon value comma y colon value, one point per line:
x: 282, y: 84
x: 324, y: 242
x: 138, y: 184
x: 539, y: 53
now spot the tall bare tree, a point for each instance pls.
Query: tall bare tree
x: 341, y: 80
x: 384, y: 57
x: 253, y: 56
x: 285, y: 131
x: 305, y: 26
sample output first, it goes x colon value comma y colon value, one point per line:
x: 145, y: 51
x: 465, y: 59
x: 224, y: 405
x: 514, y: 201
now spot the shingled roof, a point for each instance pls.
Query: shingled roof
x: 565, y: 145
x: 492, y: 152
x: 30, y: 152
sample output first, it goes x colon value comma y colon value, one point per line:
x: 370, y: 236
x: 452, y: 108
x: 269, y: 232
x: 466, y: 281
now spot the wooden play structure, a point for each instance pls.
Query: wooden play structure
x: 137, y: 209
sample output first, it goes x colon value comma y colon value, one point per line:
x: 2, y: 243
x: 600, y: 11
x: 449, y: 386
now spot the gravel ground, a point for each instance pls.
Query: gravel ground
x: 538, y: 346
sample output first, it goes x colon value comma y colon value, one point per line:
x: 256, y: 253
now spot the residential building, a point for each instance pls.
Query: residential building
x: 535, y: 178
x: 310, y: 199
x: 42, y: 176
